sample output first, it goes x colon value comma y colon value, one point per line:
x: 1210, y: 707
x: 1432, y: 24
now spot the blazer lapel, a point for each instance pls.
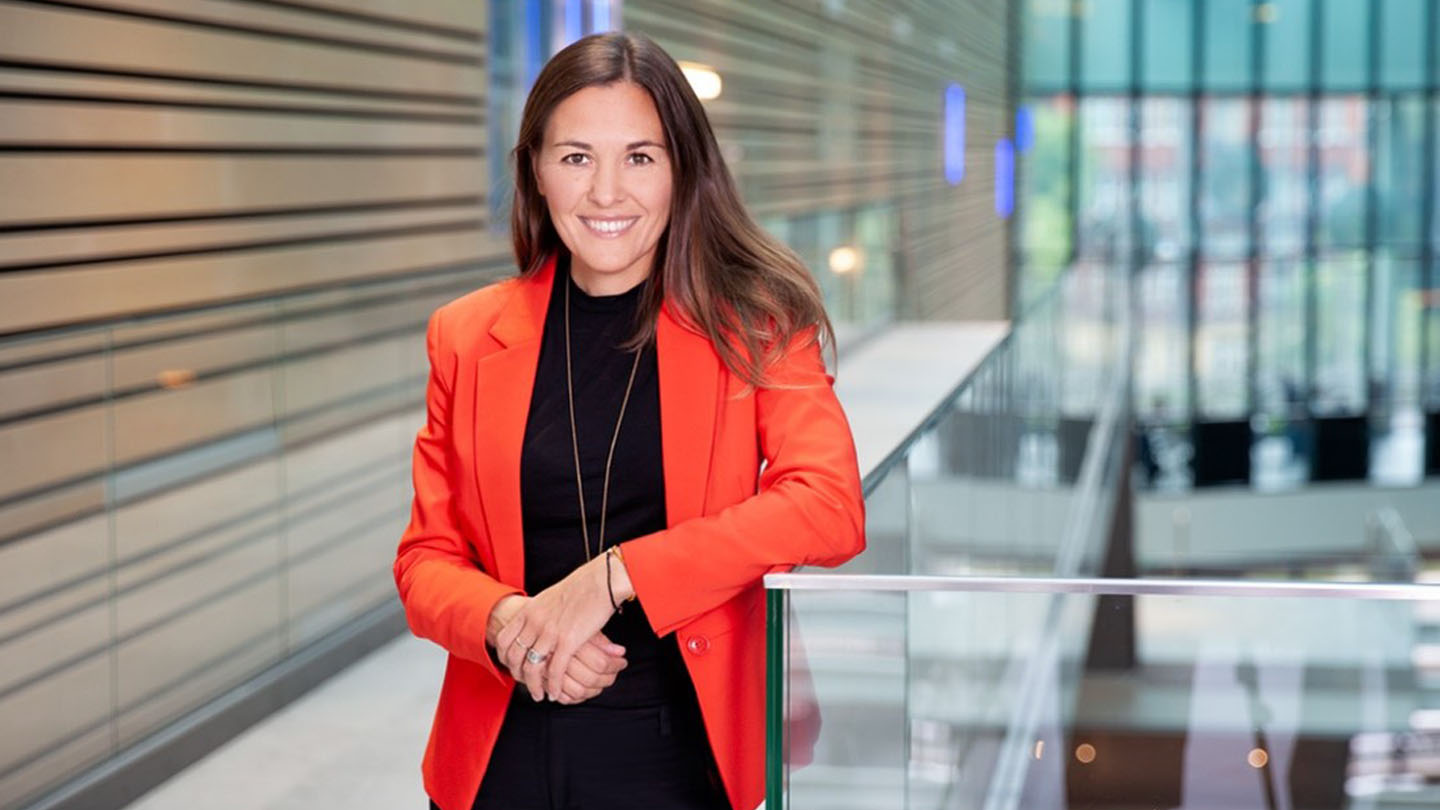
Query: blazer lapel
x: 503, y: 383
x: 690, y: 377
x: 689, y: 389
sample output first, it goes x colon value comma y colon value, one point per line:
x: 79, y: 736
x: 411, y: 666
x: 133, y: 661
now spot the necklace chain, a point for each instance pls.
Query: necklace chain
x: 575, y: 439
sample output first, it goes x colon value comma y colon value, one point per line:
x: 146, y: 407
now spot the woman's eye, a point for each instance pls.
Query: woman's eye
x: 641, y: 158
x: 573, y: 159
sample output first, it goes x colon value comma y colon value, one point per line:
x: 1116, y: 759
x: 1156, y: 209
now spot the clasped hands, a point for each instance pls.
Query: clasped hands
x: 561, y: 625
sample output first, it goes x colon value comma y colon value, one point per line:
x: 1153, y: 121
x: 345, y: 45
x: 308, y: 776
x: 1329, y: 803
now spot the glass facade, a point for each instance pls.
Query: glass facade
x: 1261, y: 168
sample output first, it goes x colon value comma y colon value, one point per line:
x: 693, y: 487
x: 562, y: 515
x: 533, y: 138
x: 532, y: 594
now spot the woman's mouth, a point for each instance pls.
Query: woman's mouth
x: 609, y: 228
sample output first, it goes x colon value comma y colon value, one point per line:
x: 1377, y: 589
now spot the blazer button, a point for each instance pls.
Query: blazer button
x: 698, y: 645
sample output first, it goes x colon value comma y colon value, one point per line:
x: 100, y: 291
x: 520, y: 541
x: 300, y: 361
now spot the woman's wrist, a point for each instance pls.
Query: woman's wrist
x: 500, y: 615
x: 620, y: 587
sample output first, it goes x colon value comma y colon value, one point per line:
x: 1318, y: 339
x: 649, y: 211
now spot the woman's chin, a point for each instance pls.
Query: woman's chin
x: 607, y: 265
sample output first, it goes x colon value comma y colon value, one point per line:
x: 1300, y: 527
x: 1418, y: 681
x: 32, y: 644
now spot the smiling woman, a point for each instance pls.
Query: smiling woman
x: 605, y: 175
x: 595, y: 437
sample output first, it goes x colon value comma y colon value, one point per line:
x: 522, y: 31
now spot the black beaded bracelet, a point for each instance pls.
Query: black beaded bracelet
x: 609, y: 584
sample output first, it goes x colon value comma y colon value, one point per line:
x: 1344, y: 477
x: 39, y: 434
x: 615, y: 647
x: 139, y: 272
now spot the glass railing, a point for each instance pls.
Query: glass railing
x: 1000, y: 647
x: 1014, y: 471
x: 1017, y: 474
x: 1011, y: 693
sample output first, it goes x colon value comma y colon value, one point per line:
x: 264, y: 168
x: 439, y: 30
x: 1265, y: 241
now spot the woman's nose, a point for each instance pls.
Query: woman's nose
x: 605, y: 185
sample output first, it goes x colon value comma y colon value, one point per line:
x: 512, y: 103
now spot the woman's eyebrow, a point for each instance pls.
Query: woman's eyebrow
x: 633, y: 145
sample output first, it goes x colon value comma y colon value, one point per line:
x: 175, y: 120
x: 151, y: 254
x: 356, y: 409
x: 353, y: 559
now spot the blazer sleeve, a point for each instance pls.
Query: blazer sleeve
x: 808, y: 510
x: 447, y: 597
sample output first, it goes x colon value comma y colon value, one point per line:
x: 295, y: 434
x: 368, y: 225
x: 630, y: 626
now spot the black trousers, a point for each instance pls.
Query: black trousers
x: 554, y: 757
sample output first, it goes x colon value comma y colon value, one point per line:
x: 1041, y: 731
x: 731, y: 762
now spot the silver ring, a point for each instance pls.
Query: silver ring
x: 517, y: 642
x: 534, y: 657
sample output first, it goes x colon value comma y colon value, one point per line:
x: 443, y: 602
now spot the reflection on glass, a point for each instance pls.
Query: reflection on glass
x: 1284, y: 147
x: 1169, y: 43
x: 1399, y: 152
x: 1396, y: 333
x: 1220, y: 341
x: 1285, y: 25
x: 1430, y: 303
x: 1104, y: 67
x: 1161, y: 361
x: 1104, y: 179
x: 1344, y: 47
x: 1343, y: 172
x: 1228, y: 52
x: 1086, y: 349
x: 972, y: 698
x: 1307, y: 127
x: 1164, y: 178
x: 1280, y: 351
x: 1402, y: 37
x: 1044, y: 216
x: 1280, y: 452
x: 1046, y: 60
x: 1225, y: 177
x: 1398, y: 432
x: 1339, y: 384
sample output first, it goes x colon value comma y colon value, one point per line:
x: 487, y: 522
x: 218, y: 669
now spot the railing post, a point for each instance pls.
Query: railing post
x: 776, y: 609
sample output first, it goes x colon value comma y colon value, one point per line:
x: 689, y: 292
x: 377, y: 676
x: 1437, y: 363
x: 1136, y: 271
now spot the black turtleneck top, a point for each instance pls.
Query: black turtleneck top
x: 553, y: 540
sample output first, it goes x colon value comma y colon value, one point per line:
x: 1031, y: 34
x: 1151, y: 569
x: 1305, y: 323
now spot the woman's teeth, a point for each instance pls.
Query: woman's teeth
x: 609, y: 227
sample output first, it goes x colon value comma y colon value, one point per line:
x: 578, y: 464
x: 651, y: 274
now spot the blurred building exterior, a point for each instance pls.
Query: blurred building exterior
x: 1266, y: 169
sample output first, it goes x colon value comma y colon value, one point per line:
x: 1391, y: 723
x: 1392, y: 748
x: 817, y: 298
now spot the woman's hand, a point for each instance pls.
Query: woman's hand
x: 557, y: 623
x: 592, y: 670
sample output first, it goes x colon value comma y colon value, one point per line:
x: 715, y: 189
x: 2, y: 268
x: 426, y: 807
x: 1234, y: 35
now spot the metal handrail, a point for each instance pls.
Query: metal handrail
x: 873, y: 479
x: 1102, y: 586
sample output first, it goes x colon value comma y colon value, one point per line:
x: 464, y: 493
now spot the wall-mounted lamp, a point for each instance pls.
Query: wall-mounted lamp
x: 175, y: 377
x: 845, y: 260
x: 704, y: 80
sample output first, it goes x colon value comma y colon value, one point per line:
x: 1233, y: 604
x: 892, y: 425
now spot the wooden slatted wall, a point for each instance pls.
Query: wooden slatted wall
x: 222, y: 227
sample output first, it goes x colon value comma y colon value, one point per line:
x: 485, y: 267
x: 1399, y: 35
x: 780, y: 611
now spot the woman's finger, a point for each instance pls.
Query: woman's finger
x: 514, y: 655
x: 505, y: 639
x: 607, y: 646
x: 558, y: 663
x: 592, y: 655
x: 532, y: 674
x: 512, y: 642
x: 577, y: 692
x: 585, y: 676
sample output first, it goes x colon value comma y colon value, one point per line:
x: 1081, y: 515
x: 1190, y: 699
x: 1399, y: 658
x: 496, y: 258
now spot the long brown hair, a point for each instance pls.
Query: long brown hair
x: 723, y: 273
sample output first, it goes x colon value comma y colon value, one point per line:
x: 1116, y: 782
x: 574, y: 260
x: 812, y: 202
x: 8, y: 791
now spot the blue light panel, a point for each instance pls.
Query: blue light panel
x: 954, y: 134
x: 574, y: 20
x: 534, y: 41
x: 599, y: 16
x: 1004, y: 178
x: 1024, y: 129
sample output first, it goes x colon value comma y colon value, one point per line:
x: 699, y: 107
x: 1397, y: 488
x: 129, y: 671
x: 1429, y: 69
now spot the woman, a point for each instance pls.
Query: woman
x: 656, y: 347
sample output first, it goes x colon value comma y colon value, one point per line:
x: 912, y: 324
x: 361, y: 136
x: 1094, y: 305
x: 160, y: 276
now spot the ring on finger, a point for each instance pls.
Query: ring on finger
x: 535, y: 657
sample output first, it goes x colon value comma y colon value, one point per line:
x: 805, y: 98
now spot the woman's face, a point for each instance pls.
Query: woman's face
x: 605, y: 176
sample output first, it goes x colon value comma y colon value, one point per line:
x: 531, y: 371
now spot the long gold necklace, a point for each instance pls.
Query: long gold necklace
x: 575, y: 440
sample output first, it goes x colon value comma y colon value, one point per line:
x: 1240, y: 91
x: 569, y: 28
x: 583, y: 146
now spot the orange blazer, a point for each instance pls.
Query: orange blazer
x: 728, y: 523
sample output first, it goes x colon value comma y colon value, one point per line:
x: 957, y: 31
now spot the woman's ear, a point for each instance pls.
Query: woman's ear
x: 535, y: 173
